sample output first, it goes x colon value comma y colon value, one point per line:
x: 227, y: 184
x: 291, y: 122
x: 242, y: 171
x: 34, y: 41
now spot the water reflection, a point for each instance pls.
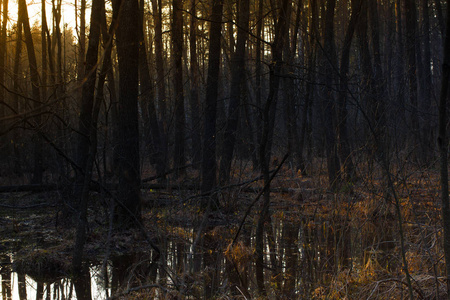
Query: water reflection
x: 302, y: 256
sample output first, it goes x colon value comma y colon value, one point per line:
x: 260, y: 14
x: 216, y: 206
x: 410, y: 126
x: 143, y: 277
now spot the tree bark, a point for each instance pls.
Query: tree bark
x: 81, y: 41
x: 259, y: 81
x: 209, y: 164
x: 177, y: 54
x: 344, y: 148
x: 15, y: 99
x: 159, y: 59
x: 265, y: 146
x: 148, y: 101
x: 443, y: 147
x: 427, y: 85
x: 83, y: 190
x: 127, y: 37
x: 4, y: 6
x: 328, y: 100
x: 236, y: 90
x: 35, y: 86
x: 88, y: 88
x: 194, y: 96
x: 411, y: 19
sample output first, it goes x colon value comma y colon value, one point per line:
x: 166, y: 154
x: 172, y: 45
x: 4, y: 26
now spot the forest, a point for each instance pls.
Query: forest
x: 224, y: 149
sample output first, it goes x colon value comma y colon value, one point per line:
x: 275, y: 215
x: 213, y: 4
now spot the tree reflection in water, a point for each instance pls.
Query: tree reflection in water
x: 303, y: 256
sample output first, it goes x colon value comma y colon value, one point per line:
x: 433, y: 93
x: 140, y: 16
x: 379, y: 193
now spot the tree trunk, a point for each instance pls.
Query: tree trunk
x: 44, y: 52
x: 81, y: 41
x: 84, y: 179
x: 259, y: 83
x: 4, y: 6
x: 177, y: 55
x: 159, y: 59
x: 328, y: 101
x: 35, y: 84
x: 148, y: 101
x: 378, y: 84
x: 427, y: 85
x: 237, y: 80
x: 400, y: 73
x: 209, y: 164
x: 127, y: 37
x: 194, y: 97
x: 265, y: 146
x: 15, y: 100
x: 345, y: 154
x: 443, y: 148
x: 411, y: 19
x: 290, y: 96
x: 87, y: 102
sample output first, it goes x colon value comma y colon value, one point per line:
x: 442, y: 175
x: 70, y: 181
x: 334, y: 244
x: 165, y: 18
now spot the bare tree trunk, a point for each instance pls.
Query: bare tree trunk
x: 427, y: 85
x: 177, y: 55
x: 88, y: 90
x: 148, y: 101
x: 209, y: 164
x: 236, y: 90
x: 378, y: 83
x: 290, y: 96
x: 4, y: 5
x: 44, y: 52
x: 345, y: 154
x: 411, y: 19
x: 159, y: 59
x: 58, y: 43
x: 81, y: 30
x: 258, y: 75
x: 443, y: 148
x: 127, y: 39
x: 90, y: 107
x: 265, y: 146
x: 194, y: 97
x: 328, y: 101
x: 400, y: 71
x: 15, y: 99
x: 35, y: 84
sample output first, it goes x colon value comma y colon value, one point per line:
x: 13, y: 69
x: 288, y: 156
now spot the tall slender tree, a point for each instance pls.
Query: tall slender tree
x: 209, y: 164
x: 344, y: 148
x: 267, y: 135
x: 443, y: 147
x: 328, y: 96
x: 81, y: 31
x: 411, y: 53
x: 4, y: 18
x: 127, y: 41
x: 35, y: 87
x: 236, y: 91
x: 177, y: 56
x: 87, y: 144
x: 194, y: 95
x: 147, y: 96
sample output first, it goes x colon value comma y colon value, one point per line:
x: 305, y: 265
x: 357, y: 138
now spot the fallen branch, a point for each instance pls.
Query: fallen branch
x: 26, y: 207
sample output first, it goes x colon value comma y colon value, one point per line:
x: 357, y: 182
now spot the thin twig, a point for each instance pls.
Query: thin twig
x: 259, y: 196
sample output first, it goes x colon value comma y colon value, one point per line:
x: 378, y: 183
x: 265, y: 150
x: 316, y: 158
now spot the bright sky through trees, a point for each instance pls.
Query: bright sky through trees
x: 34, y: 12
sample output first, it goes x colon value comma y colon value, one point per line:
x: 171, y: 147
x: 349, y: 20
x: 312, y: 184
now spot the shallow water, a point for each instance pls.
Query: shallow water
x: 300, y: 258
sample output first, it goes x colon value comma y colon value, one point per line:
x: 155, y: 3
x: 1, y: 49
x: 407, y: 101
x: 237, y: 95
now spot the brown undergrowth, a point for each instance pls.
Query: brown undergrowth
x: 320, y: 245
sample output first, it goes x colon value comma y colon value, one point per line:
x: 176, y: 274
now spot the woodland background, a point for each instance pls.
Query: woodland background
x: 209, y: 96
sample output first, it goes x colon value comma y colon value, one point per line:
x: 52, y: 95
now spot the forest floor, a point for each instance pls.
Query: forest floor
x: 362, y: 214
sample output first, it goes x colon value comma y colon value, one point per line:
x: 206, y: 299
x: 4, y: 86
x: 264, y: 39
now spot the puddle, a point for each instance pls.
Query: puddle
x: 307, y: 257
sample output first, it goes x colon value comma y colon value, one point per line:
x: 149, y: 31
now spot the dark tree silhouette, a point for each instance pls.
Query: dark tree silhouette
x: 209, y: 164
x: 127, y: 41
